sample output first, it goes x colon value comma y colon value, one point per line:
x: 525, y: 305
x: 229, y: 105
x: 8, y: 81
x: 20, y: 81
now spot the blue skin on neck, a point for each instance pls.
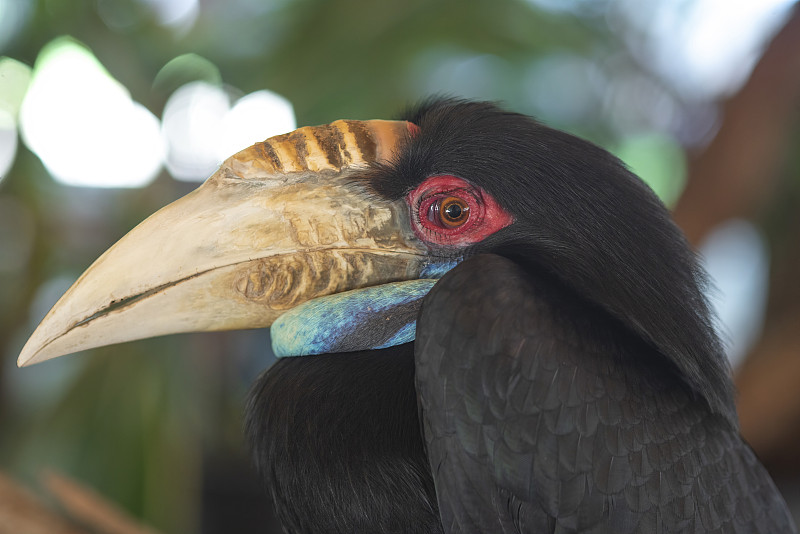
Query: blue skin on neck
x: 362, y: 319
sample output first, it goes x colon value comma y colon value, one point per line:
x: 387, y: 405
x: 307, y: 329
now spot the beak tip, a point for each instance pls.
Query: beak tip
x: 33, y: 352
x: 24, y: 360
x: 27, y: 357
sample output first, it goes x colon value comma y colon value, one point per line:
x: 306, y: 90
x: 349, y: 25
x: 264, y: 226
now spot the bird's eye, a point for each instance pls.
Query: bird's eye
x: 448, y: 212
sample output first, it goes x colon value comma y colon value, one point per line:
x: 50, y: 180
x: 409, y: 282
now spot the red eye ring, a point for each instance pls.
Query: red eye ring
x: 447, y: 210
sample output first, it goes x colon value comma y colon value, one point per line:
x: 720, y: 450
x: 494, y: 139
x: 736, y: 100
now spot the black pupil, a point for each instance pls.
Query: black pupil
x: 453, y: 211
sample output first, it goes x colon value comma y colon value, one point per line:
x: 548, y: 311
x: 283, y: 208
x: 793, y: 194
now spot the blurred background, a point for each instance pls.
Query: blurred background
x: 110, y: 109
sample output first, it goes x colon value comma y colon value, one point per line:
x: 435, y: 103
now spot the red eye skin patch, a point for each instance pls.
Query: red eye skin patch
x: 486, y: 216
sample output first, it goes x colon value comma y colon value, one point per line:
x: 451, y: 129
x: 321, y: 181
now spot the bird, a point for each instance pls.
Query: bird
x: 483, y: 324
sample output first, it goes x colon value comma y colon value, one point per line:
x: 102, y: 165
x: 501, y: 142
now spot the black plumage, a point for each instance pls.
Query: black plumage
x: 338, y: 440
x: 543, y: 414
x: 568, y: 375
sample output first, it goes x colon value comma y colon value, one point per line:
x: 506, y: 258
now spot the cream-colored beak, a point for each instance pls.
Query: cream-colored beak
x: 278, y: 224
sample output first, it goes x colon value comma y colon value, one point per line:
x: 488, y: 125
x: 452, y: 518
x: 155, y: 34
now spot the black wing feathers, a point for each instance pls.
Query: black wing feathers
x: 543, y: 414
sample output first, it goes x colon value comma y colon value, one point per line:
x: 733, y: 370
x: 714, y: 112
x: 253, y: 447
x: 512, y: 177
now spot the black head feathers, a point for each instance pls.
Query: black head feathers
x: 581, y: 215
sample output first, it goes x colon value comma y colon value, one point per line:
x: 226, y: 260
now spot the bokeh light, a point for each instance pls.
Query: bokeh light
x: 201, y: 128
x: 175, y: 13
x: 14, y: 80
x: 184, y: 69
x: 14, y: 15
x: 737, y: 260
x: 8, y: 142
x: 253, y: 118
x: 717, y: 61
x: 190, y: 126
x: 451, y: 71
x: 563, y: 6
x: 705, y: 47
x: 566, y: 88
x: 83, y: 124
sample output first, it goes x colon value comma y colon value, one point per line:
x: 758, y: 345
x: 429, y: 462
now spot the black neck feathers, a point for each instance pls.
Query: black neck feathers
x: 338, y: 441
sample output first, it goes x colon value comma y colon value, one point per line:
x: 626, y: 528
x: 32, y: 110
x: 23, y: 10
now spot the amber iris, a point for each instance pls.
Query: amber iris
x: 453, y: 212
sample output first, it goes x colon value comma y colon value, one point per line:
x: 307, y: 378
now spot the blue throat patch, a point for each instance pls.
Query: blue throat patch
x: 362, y: 319
x: 438, y: 269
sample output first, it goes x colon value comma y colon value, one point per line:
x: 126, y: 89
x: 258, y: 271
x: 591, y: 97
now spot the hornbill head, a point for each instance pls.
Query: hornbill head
x: 319, y: 231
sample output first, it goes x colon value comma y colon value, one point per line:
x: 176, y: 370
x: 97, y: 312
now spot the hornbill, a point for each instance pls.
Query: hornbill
x: 484, y: 324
